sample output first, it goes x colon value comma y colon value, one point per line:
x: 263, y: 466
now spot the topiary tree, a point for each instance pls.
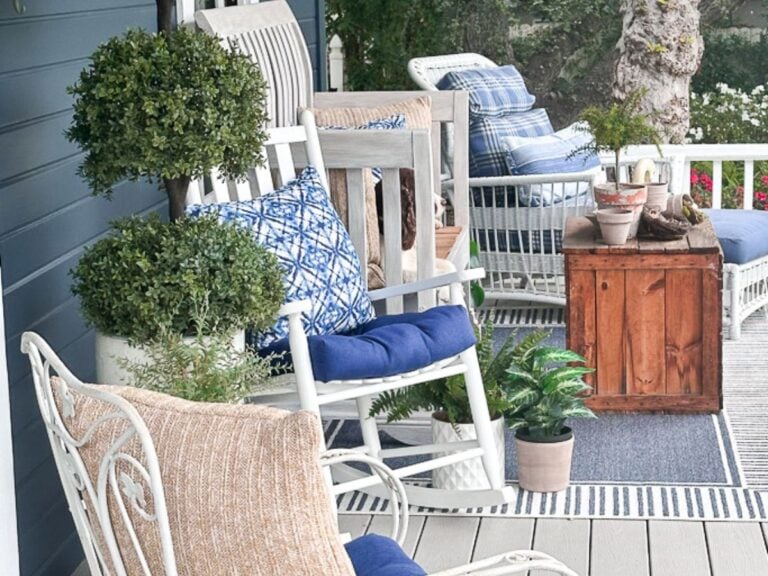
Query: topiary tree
x: 171, y: 106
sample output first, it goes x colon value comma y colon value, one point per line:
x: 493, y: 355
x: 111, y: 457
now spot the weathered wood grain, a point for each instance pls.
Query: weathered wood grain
x: 610, y: 302
x: 684, y: 337
x: 644, y: 338
x: 581, y: 329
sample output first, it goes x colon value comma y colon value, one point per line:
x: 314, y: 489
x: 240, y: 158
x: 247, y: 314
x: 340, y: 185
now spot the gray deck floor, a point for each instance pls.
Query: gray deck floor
x: 590, y: 547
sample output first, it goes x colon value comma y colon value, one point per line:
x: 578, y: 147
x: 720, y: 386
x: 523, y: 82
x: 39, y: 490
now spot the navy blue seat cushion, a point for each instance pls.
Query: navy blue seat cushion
x: 374, y: 555
x: 743, y: 234
x: 388, y: 345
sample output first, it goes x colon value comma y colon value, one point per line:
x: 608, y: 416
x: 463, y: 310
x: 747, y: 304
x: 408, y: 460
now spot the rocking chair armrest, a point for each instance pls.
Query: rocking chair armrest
x: 295, y: 307
x: 428, y: 284
x: 397, y: 495
x: 519, y: 561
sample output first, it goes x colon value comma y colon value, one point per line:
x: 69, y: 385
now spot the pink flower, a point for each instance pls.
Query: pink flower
x: 694, y: 176
x: 761, y: 196
x: 764, y: 180
x: 706, y: 181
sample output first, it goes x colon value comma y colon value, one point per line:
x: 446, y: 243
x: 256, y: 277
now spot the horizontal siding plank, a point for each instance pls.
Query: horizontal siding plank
x: 66, y: 560
x: 55, y: 530
x: 30, y: 94
x: 33, y: 145
x: 36, y: 246
x: 36, y: 451
x: 43, y: 193
x: 31, y: 42
x: 42, y: 8
x: 38, y: 495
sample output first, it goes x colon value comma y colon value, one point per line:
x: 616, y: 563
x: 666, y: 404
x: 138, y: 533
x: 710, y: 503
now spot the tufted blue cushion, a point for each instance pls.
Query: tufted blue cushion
x: 491, y: 91
x: 374, y: 555
x: 388, y: 345
x: 743, y: 234
x: 487, y: 153
x: 395, y: 122
x: 299, y: 225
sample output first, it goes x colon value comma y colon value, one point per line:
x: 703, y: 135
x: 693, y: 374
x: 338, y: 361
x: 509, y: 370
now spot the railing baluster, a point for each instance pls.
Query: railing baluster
x: 687, y: 177
x: 717, y: 184
x: 749, y: 182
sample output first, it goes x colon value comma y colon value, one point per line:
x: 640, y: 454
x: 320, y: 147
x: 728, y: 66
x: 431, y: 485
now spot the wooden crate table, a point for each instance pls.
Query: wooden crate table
x: 647, y: 316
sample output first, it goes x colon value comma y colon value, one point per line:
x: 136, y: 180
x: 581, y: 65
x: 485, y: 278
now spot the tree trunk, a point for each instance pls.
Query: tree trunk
x: 659, y: 50
x: 177, y: 195
x: 164, y: 15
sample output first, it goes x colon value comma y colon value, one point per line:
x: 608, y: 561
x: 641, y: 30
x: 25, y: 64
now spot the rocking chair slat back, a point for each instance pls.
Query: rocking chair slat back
x: 270, y: 36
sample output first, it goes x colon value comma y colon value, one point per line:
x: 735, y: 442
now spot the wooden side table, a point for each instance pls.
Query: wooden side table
x: 648, y: 317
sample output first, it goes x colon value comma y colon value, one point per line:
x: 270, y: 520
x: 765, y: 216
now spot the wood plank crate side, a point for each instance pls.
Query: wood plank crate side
x: 684, y: 344
x: 644, y: 336
x: 611, y: 317
x: 581, y: 328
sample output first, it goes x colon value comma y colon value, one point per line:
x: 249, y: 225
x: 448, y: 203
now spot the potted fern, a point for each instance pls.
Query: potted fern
x: 451, y: 418
x: 543, y: 392
x: 613, y: 128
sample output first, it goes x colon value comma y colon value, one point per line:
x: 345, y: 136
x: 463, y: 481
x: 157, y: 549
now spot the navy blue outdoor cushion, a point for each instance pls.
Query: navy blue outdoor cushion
x: 374, y: 555
x: 388, y: 345
x: 743, y: 234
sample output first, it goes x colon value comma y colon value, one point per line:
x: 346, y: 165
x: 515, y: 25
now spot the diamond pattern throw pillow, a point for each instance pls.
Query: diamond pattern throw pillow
x: 299, y: 225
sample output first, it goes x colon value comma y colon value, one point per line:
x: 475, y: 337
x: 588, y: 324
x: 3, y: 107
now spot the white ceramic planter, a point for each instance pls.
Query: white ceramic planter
x: 629, y: 196
x: 110, y: 349
x: 468, y: 474
x: 657, y: 195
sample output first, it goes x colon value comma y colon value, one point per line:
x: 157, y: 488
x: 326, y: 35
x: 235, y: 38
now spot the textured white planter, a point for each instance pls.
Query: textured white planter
x: 544, y: 465
x: 615, y: 224
x: 657, y: 195
x: 109, y: 349
x: 468, y: 474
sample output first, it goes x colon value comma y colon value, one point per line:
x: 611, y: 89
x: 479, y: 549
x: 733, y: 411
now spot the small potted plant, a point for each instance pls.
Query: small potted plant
x: 613, y: 129
x: 151, y: 277
x: 447, y: 400
x: 543, y: 393
x: 168, y: 106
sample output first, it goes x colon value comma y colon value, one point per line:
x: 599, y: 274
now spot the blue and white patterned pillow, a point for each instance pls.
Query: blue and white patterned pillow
x: 487, y: 154
x: 491, y: 91
x: 299, y: 225
x: 394, y: 122
x: 552, y: 153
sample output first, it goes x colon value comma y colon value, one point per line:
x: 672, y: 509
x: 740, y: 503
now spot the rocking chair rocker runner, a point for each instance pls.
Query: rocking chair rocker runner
x: 125, y: 458
x: 327, y: 366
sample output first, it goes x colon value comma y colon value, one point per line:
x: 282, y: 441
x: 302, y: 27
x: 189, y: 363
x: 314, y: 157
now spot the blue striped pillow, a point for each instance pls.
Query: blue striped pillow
x: 550, y: 154
x: 487, y: 155
x: 492, y: 91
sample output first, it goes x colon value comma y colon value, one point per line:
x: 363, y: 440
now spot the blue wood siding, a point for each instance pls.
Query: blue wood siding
x: 47, y: 216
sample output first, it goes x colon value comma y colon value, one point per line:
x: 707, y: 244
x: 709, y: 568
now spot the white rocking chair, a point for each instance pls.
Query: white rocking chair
x: 116, y: 485
x: 290, y: 149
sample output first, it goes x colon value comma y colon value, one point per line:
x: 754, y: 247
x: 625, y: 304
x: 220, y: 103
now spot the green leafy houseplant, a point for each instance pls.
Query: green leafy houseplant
x: 615, y: 127
x: 151, y: 276
x: 448, y: 396
x: 542, y: 392
x: 207, y: 368
x: 171, y: 106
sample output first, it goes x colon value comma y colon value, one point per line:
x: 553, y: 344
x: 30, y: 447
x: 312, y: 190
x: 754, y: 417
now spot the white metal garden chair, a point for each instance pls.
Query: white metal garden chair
x: 289, y: 149
x: 116, y: 485
x: 518, y: 245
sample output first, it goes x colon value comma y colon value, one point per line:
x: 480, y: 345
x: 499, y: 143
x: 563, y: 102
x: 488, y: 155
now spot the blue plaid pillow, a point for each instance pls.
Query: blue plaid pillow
x: 487, y: 154
x: 492, y: 91
x: 395, y: 122
x: 552, y: 153
x: 299, y: 225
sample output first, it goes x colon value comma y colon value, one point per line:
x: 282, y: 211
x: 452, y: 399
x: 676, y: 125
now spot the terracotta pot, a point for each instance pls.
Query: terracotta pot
x: 630, y: 196
x: 467, y: 474
x: 657, y: 195
x: 544, y: 464
x: 615, y: 224
x: 110, y: 350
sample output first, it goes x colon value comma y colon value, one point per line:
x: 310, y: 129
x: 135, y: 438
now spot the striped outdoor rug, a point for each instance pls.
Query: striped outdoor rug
x: 744, y: 496
x: 522, y: 317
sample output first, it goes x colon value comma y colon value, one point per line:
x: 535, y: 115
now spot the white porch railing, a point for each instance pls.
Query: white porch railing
x: 682, y: 156
x: 185, y: 9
